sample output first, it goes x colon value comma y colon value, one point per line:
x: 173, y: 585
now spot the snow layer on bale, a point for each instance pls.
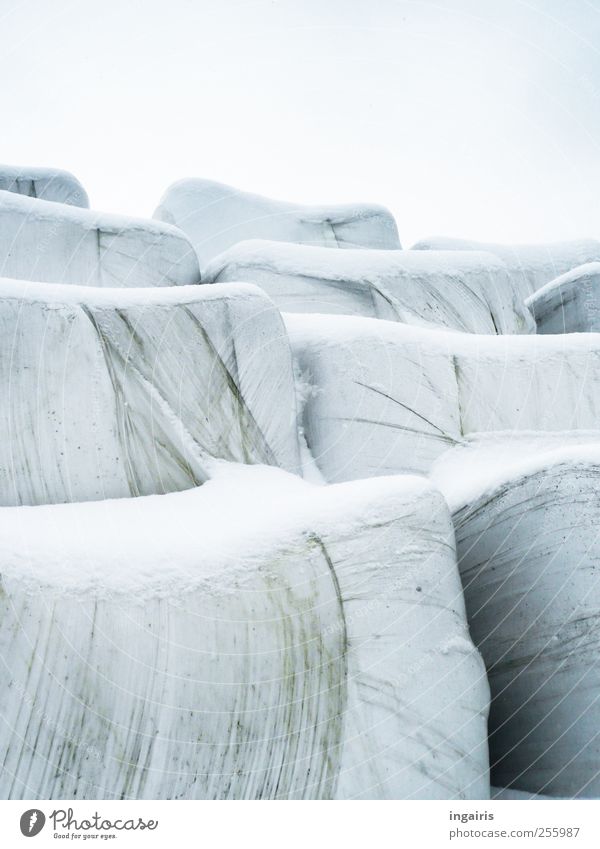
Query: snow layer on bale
x: 216, y: 216
x: 570, y: 303
x: 508, y: 430
x: 51, y: 184
x: 117, y: 392
x: 530, y: 266
x: 465, y: 290
x: 56, y: 243
x: 259, y: 637
x: 391, y: 398
x: 483, y: 462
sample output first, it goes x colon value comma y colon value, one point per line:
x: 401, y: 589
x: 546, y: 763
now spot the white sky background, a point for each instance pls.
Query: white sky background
x: 475, y: 118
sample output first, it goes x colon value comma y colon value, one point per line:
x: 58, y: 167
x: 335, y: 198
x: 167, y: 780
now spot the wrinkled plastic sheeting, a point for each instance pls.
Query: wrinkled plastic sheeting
x: 107, y: 394
x: 216, y: 216
x: 388, y: 398
x: 530, y: 266
x: 56, y: 243
x: 330, y: 661
x: 530, y: 564
x: 467, y: 290
x: 51, y: 184
x: 569, y: 304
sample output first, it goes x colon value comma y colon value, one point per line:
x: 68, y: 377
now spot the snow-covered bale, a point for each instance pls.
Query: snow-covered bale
x: 117, y: 392
x: 529, y: 558
x: 258, y: 637
x: 216, y: 216
x: 467, y: 290
x: 46, y: 183
x: 569, y: 304
x: 508, y: 430
x: 530, y: 266
x: 392, y: 398
x: 57, y: 243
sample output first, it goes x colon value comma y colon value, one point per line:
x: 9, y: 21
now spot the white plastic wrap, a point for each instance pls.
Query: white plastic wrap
x: 530, y: 266
x: 529, y: 560
x: 215, y: 216
x: 391, y: 398
x: 570, y: 303
x: 46, y: 183
x: 257, y: 637
x: 57, y: 243
x: 508, y: 430
x: 466, y: 290
x: 109, y: 393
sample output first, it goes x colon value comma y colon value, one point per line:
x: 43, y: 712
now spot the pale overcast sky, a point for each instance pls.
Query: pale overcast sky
x: 475, y: 118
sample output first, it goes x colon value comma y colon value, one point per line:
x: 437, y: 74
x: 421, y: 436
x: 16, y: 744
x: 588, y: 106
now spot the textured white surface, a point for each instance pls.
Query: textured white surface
x: 46, y: 183
x: 257, y: 637
x: 108, y: 393
x: 508, y: 429
x: 530, y: 266
x: 467, y: 290
x: 529, y: 555
x: 216, y: 216
x: 570, y: 303
x: 392, y: 398
x: 484, y: 462
x: 57, y: 243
